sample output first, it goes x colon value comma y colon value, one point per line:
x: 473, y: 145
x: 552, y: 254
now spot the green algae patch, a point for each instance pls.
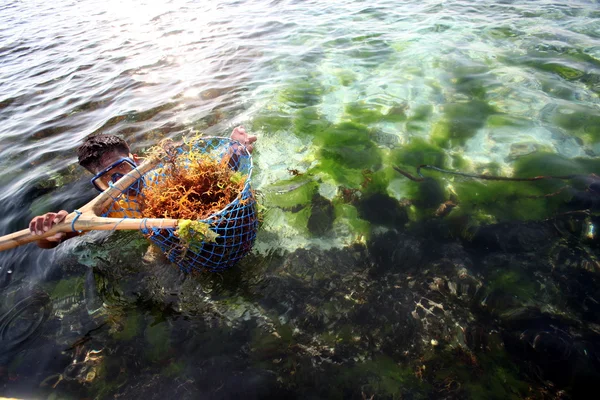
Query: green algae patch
x: 158, y: 339
x: 67, y: 287
x: 348, y: 177
x: 421, y: 113
x: 502, y: 32
x: 271, y: 121
x: 505, y: 200
x: 552, y: 164
x: 418, y: 152
x: 348, y: 145
x: 388, y: 379
x: 561, y: 69
x: 477, y: 375
x: 309, y: 121
x: 460, y: 123
x: 296, y: 219
x: 299, y: 220
x: 175, y: 369
x: 347, y: 215
x: 371, y: 51
x: 345, y: 77
x: 381, y: 209
x: 302, y: 93
x: 130, y: 327
x: 579, y: 120
x: 294, y: 192
x: 377, y: 182
x: 365, y: 113
x: 502, y: 120
x: 514, y: 283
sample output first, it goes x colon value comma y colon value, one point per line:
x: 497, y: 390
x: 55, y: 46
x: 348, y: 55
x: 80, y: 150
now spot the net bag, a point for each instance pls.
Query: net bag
x: 233, y: 228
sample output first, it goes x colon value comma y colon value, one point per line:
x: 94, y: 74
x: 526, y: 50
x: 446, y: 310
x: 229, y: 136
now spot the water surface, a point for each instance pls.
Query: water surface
x: 362, y: 282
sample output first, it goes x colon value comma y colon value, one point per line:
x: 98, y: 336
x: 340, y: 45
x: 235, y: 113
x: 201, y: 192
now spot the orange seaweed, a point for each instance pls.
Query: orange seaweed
x: 192, y: 187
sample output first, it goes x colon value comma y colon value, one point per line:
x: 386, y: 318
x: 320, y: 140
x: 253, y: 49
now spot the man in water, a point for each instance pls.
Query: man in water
x: 108, y: 158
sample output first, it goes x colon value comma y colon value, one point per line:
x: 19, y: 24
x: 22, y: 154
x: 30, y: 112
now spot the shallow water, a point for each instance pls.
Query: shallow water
x: 362, y: 282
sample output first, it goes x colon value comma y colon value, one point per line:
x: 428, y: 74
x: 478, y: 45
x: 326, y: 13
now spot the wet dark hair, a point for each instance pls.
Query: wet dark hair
x: 90, y: 153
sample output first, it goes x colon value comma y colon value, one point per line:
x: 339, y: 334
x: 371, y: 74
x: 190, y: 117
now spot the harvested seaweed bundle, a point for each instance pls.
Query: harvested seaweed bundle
x: 205, y: 184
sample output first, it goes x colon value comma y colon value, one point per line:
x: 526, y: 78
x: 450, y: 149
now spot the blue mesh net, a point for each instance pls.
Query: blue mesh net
x: 236, y: 224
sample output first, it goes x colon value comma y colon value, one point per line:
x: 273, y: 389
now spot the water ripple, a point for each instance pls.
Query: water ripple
x: 146, y: 70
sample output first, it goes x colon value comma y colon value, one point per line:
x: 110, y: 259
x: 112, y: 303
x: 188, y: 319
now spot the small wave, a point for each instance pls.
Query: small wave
x: 23, y: 322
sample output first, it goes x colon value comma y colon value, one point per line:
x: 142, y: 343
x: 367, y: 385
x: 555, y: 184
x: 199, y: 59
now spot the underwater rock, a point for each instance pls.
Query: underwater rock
x: 381, y: 209
x: 393, y: 251
x: 321, y: 215
x: 513, y: 237
x: 557, y: 350
x: 410, y: 297
x: 585, y: 200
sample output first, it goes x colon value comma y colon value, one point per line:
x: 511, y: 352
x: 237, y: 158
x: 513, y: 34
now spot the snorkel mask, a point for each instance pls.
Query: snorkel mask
x: 111, y: 174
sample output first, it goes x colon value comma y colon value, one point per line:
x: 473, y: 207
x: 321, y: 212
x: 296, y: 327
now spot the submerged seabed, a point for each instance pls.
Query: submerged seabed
x: 364, y: 283
x: 510, y: 312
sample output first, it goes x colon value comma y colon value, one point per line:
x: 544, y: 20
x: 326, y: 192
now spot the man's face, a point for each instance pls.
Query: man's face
x: 111, y: 168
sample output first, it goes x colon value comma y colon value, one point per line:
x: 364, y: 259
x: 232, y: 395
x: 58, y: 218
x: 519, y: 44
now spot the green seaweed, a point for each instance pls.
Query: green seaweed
x: 299, y: 220
x: 564, y: 71
x: 502, y: 32
x: 460, y: 123
x: 505, y: 200
x: 67, y: 287
x: 420, y: 113
x: 386, y: 378
x: 193, y: 233
x: 501, y: 120
x: 131, y: 326
x: 157, y: 337
x: 371, y: 51
x: 348, y: 145
x: 175, y: 369
x: 417, y: 152
x: 543, y: 163
x: 579, y: 120
x: 409, y: 157
x: 381, y: 209
x: 302, y: 93
x: 345, y: 77
x: 478, y: 375
x: 271, y: 121
x: 347, y: 215
x: 308, y: 121
x: 377, y: 182
x: 300, y: 196
x: 514, y: 283
x: 365, y: 113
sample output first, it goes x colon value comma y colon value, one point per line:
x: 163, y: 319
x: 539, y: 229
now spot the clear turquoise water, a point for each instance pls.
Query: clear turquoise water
x: 339, y: 92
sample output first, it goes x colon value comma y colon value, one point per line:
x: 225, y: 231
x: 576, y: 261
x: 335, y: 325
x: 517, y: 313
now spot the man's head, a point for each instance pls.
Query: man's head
x: 99, y: 151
